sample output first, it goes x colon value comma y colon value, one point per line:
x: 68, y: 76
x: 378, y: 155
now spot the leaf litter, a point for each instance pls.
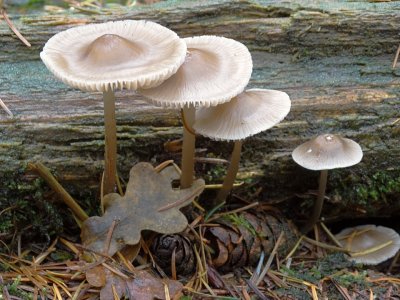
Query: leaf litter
x: 312, y: 269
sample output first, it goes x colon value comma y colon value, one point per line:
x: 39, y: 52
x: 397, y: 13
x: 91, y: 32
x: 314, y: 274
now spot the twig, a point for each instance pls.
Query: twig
x: 13, y: 28
x: 59, y: 190
x: 6, y: 109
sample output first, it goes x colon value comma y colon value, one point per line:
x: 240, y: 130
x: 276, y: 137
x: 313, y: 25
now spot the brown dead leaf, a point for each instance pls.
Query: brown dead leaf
x: 96, y: 276
x: 150, y: 203
x: 143, y: 287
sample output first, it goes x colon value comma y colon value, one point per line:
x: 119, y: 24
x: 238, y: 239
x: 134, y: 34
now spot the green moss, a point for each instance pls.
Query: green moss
x: 24, y: 210
x: 366, y: 189
x: 13, y: 290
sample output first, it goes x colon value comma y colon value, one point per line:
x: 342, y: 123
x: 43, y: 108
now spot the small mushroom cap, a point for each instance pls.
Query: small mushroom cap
x: 114, y: 55
x: 215, y: 70
x: 249, y: 113
x: 364, y: 237
x: 327, y: 151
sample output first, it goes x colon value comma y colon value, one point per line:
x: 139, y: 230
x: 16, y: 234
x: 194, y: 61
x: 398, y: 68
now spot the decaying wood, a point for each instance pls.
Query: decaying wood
x: 334, y: 60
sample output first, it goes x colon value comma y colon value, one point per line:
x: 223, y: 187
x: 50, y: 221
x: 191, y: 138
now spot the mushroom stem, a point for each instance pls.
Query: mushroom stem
x: 318, y: 203
x: 110, y: 154
x: 231, y: 173
x: 188, y: 147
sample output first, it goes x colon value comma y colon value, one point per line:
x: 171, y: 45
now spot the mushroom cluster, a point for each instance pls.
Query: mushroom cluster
x: 204, y: 76
x: 201, y: 72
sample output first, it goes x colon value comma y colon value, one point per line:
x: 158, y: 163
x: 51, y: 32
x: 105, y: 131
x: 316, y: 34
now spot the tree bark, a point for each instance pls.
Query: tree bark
x: 334, y: 60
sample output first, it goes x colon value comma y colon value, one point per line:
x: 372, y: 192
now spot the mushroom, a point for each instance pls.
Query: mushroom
x: 114, y: 55
x: 369, y: 244
x: 323, y: 153
x: 215, y: 70
x: 249, y: 113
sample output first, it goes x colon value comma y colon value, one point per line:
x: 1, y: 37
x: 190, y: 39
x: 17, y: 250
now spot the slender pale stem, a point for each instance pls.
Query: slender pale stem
x: 110, y: 155
x: 188, y: 147
x: 231, y: 174
x: 319, y: 202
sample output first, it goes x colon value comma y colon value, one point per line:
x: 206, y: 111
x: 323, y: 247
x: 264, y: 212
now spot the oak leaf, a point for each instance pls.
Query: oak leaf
x: 150, y: 203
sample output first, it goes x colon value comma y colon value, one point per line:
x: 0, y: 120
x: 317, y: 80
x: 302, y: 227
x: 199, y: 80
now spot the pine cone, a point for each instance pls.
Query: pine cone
x: 163, y: 249
x: 240, y: 239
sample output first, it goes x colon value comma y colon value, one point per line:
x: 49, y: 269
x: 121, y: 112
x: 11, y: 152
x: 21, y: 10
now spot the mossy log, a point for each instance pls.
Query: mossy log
x: 333, y: 59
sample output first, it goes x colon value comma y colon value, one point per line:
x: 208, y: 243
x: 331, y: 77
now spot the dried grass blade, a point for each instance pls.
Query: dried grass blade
x: 396, y: 57
x: 115, y: 271
x: 163, y: 165
x: 314, y: 292
x: 115, y: 294
x: 166, y: 292
x: 372, y: 249
x: 323, y: 245
x: 76, y: 294
x: 331, y: 236
x: 57, y: 293
x: 70, y: 246
x: 342, y: 290
x: 270, y: 258
x: 247, y: 207
x: 127, y: 263
x: 8, y: 111
x: 255, y: 289
x: 43, y: 256
x: 14, y: 29
x: 61, y: 284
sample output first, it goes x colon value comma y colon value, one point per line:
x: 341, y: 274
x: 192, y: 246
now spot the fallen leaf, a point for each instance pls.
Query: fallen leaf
x: 96, y: 276
x: 143, y: 287
x: 150, y: 203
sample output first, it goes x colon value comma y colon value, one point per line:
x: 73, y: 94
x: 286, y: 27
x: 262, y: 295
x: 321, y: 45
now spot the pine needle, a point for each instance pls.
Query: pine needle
x: 13, y: 28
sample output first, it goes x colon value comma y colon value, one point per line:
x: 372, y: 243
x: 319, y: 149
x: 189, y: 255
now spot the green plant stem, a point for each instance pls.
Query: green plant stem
x: 319, y: 202
x: 188, y: 147
x: 231, y: 173
x: 59, y: 190
x: 110, y: 154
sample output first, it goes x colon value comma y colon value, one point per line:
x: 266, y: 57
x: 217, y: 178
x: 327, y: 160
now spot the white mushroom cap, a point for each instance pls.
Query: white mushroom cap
x: 364, y: 237
x: 114, y: 55
x: 215, y: 70
x: 249, y: 113
x: 327, y: 151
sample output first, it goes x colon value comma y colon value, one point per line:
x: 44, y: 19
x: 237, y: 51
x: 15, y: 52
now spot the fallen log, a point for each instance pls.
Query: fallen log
x: 334, y: 60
